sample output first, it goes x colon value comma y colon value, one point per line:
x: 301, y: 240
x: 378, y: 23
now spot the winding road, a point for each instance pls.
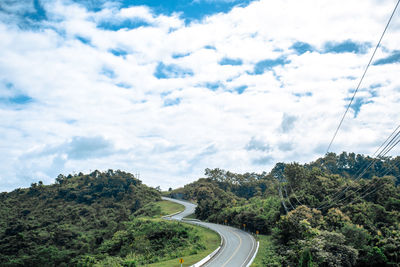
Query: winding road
x: 238, y: 247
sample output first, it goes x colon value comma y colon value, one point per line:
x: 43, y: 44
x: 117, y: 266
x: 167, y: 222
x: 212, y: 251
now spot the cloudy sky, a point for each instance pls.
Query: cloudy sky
x: 169, y: 88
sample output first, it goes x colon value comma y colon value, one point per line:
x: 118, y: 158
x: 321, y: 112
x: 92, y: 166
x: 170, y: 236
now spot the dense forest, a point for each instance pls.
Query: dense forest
x: 327, y: 213
x: 340, y: 210
x: 99, y: 219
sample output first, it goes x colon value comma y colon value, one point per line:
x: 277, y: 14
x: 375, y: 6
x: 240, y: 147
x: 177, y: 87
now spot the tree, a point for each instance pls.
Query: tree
x: 300, y: 223
x: 329, y: 249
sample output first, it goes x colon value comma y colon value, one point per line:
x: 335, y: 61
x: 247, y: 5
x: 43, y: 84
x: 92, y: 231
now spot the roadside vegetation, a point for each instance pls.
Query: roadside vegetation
x: 211, y: 242
x: 325, y: 213
x: 168, y: 207
x: 267, y: 255
x: 333, y: 217
x: 99, y: 219
x: 159, y: 209
x: 148, y: 240
x: 206, y: 240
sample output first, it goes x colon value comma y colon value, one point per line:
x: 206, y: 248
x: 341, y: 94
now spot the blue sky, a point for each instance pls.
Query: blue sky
x: 188, y: 10
x: 169, y: 88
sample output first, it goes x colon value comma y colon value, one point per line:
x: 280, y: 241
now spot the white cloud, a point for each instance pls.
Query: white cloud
x: 136, y: 12
x: 171, y: 145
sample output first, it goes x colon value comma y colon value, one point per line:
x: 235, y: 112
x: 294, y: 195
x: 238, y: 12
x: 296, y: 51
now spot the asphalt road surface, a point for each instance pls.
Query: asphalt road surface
x: 238, y: 246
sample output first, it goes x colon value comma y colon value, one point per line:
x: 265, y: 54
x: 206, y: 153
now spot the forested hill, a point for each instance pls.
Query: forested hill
x: 354, y: 165
x: 329, y: 212
x: 56, y: 225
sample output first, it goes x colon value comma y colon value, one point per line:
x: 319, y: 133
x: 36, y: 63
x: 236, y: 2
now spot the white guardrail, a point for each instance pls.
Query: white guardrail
x: 254, y: 256
x: 215, y: 252
x: 212, y: 254
x: 207, y: 258
x: 170, y: 215
x: 194, y: 221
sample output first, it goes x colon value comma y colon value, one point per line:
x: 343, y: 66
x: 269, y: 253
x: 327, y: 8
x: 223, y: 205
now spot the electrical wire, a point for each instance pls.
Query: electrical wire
x: 368, y: 187
x: 387, y: 145
x: 362, y: 77
x: 291, y: 189
x: 278, y: 179
x: 285, y: 190
x: 283, y: 199
x: 376, y: 187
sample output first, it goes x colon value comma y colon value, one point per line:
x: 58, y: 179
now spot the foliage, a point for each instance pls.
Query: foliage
x: 329, y: 249
x: 325, y: 213
x: 67, y: 223
x: 238, y: 186
x: 210, y: 239
x: 267, y: 254
x: 258, y: 214
x: 349, y: 165
x: 306, y: 259
x: 151, y: 240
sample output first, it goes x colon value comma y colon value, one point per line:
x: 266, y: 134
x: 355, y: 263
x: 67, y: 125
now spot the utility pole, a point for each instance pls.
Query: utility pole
x: 282, y: 200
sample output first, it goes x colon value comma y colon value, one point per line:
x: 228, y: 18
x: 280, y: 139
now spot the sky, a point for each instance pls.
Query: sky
x: 169, y: 88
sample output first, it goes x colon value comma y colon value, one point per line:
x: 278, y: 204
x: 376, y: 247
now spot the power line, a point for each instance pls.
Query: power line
x: 279, y: 178
x: 393, y: 144
x: 377, y: 187
x: 284, y: 187
x: 294, y: 194
x: 362, y: 77
x: 287, y: 197
x: 282, y: 199
x: 365, y: 193
x: 386, y: 149
x: 387, y: 139
x: 387, y: 146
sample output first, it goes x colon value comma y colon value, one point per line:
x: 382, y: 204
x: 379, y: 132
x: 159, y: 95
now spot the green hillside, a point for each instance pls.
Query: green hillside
x: 319, y: 214
x: 100, y: 219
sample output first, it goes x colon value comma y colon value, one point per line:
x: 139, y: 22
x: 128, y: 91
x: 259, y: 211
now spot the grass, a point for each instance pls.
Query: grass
x: 210, y: 239
x: 168, y: 207
x: 266, y: 255
x: 191, y: 216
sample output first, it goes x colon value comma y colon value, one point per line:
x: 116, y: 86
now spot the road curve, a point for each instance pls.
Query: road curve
x: 238, y: 246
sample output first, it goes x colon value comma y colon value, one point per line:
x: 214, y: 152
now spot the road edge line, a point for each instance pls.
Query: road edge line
x: 197, y: 222
x: 173, y: 214
x: 210, y: 256
x: 255, y: 254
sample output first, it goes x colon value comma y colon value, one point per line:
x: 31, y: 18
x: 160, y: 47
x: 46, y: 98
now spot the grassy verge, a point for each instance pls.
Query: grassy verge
x: 266, y: 255
x: 210, y: 239
x: 191, y: 216
x: 168, y: 207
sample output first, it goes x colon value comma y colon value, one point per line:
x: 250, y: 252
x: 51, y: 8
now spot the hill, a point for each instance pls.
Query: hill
x: 99, y: 219
x: 325, y: 213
